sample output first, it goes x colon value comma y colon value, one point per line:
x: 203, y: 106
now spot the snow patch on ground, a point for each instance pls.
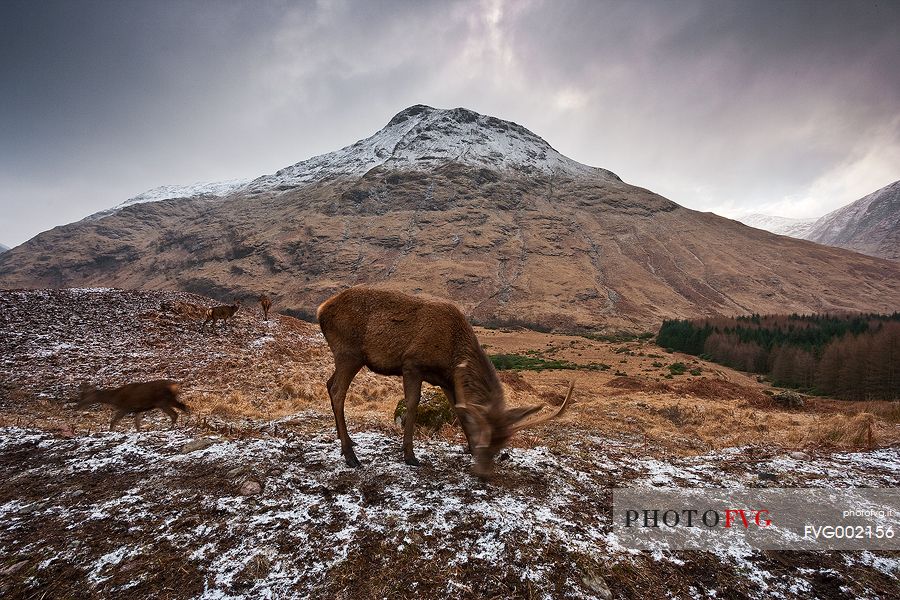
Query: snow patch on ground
x: 314, y: 515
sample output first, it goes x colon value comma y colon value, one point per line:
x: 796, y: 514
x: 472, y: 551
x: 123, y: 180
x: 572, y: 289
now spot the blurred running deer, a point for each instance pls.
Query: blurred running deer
x: 136, y: 398
x: 266, y: 303
x: 397, y: 334
x: 221, y: 312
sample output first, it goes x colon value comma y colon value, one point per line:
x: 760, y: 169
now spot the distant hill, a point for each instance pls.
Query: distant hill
x: 463, y: 206
x: 870, y: 225
x: 781, y: 225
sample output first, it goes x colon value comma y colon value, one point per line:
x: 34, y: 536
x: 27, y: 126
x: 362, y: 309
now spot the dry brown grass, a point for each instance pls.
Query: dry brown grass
x: 697, y: 424
x: 684, y: 414
x: 886, y: 411
x: 856, y: 431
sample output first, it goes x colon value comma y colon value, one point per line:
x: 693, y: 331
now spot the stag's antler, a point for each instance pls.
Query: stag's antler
x: 544, y: 418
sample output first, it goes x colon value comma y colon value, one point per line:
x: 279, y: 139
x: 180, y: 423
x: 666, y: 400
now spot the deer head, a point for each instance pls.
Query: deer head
x: 492, y: 424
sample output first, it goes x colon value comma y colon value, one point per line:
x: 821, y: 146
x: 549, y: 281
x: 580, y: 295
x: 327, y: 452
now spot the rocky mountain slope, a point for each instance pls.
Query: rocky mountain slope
x: 870, y: 225
x: 3, y: 248
x: 466, y: 207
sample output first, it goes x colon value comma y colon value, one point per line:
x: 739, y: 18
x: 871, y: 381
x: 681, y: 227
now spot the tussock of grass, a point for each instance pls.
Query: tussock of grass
x: 856, y: 431
x: 888, y: 411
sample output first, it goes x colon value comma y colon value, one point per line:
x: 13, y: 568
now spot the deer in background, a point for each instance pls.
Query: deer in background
x: 396, y: 334
x: 221, y: 312
x: 136, y: 398
x: 266, y: 304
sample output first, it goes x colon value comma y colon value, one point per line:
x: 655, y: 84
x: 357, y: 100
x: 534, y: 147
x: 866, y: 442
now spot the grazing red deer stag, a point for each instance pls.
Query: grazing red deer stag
x: 397, y: 334
x: 221, y: 312
x: 266, y: 303
x: 136, y: 398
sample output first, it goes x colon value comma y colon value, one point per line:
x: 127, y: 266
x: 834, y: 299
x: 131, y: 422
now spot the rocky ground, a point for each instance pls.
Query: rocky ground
x: 249, y: 497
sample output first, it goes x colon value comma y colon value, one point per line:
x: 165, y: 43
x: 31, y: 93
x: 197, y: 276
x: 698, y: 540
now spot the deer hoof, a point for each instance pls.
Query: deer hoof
x: 352, y: 461
x: 412, y: 461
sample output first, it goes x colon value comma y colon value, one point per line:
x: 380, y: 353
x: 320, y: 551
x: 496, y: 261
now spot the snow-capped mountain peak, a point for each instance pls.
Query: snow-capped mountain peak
x: 424, y: 137
x: 419, y: 137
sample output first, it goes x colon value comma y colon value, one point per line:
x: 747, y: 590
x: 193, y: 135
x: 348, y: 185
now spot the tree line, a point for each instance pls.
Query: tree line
x: 850, y: 356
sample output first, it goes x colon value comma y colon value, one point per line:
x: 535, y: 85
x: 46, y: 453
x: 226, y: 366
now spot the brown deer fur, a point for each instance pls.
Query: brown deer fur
x: 396, y: 334
x: 136, y: 398
x: 266, y: 303
x: 221, y: 312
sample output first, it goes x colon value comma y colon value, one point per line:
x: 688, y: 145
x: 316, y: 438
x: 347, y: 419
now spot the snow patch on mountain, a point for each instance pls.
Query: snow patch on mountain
x: 796, y: 228
x: 209, y: 189
x: 3, y: 248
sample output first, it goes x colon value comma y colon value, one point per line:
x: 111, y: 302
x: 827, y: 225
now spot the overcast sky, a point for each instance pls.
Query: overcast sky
x: 789, y: 108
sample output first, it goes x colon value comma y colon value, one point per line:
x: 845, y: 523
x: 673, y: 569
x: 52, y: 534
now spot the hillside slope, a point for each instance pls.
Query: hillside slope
x: 52, y: 341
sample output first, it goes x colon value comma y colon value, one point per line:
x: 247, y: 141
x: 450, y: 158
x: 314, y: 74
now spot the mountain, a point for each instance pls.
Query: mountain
x: 463, y: 206
x: 870, y: 225
x: 3, y: 248
x: 780, y: 225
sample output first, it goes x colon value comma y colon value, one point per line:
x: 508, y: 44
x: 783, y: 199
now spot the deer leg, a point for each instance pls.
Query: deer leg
x: 412, y: 390
x: 116, y: 418
x: 337, y: 390
x: 137, y: 421
x: 464, y: 422
x: 172, y: 415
